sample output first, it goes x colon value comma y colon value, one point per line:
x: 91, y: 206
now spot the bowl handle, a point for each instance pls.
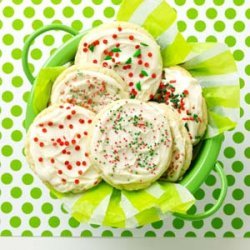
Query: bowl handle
x: 32, y: 37
x: 218, y: 168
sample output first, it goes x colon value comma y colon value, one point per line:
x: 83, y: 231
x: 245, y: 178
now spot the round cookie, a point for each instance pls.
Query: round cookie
x: 56, y: 148
x: 89, y: 86
x: 181, y: 91
x: 131, y: 144
x: 182, y: 146
x: 129, y: 50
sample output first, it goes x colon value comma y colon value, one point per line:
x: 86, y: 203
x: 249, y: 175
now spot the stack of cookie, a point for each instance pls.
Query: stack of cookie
x: 117, y: 115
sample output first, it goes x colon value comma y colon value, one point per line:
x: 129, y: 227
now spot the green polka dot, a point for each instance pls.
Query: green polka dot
x: 198, y: 224
x: 238, y: 55
x: 228, y: 235
x: 219, y: 2
x: 57, y: 21
x: 26, y: 96
x: 199, y: 2
x: 230, y: 41
x: 16, y: 53
x: 36, y: 1
x: 157, y: 224
x: 230, y: 180
x: 56, y: 1
x: 247, y: 152
x: 229, y: 152
x: 181, y: 26
x: 29, y: 12
x: 247, y: 125
x: 88, y: 12
x: 192, y: 13
x: 115, y: 2
x: 107, y: 233
x: 16, y: 135
x: 27, y: 179
x: 247, y: 41
x: 16, y: 192
x: 17, y: 24
x: 150, y: 234
x: 7, y: 68
x: 47, y: 208
x: 216, y: 193
x: 96, y: 23
x: 247, y: 98
x: 35, y: 193
x: 190, y: 235
x: 211, y: 180
x: 76, y: 1
x: 36, y: 54
x: 109, y: 12
x: 16, y: 110
x: 77, y: 25
x: 247, y: 235
x: 247, y: 70
x: 237, y: 166
x: 239, y: 2
x: 48, y: 40
x: 6, y: 178
x: 192, y: 210
x: 199, y: 194
x: 73, y: 222
x: 8, y: 39
x: 64, y: 210
x: 54, y: 221
x: 238, y: 137
x: 126, y: 233
x: 8, y: 11
x: 242, y: 83
x: 66, y: 233
x: 219, y: 26
x: 6, y: 207
x: 68, y: 12
x: 169, y: 234
x: 192, y: 39
x: 180, y: 2
x: 17, y: 81
x: 34, y: 222
x: 239, y: 26
x: 7, y: 96
x: 36, y: 24
x: 15, y: 221
x: 247, y: 13
x: 97, y: 2
x: 241, y: 112
x: 27, y: 233
x: 217, y: 223
x: 6, y: 233
x: 46, y: 234
x: 247, y: 209
x: 53, y: 196
x: 66, y: 38
x: 238, y: 194
x: 237, y: 223
x: 27, y: 208
x: 7, y: 150
x: 48, y: 12
x: 230, y: 13
x: 212, y: 39
x: 15, y: 165
x: 7, y: 123
x: 94, y: 225
x: 178, y: 223
x: 86, y: 233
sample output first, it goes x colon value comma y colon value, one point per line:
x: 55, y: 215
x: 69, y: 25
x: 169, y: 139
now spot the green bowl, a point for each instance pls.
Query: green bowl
x: 206, y: 152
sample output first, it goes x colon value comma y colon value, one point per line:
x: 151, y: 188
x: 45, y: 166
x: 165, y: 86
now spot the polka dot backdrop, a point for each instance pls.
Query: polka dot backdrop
x: 26, y: 206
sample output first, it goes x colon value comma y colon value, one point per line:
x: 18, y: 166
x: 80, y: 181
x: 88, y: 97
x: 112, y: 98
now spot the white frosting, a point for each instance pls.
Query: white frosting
x: 136, y: 57
x: 57, y: 148
x: 131, y: 144
x: 190, y: 105
x: 91, y: 87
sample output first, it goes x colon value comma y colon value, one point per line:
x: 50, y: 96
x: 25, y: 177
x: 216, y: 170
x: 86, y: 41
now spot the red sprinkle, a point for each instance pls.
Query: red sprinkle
x: 73, y: 141
x: 153, y: 75
x: 66, y: 143
x: 150, y: 54
x: 119, y: 29
x: 44, y: 130
x: 78, y: 163
x: 73, y: 112
x: 64, y: 151
x: 131, y: 84
x: 137, y: 46
x: 105, y: 41
x: 95, y: 61
x: 61, y: 126
x: 50, y: 124
x: 140, y: 62
x: 114, y: 36
x: 77, y: 148
x: 185, y: 92
x: 89, y: 121
x: 69, y: 167
x: 85, y: 133
x: 40, y: 159
x: 81, y: 121
x: 77, y: 181
x: 41, y: 144
x: 130, y: 74
x: 60, y: 171
x: 36, y: 139
x: 84, y: 163
x: 85, y: 50
x: 146, y: 65
x: 63, y: 180
x: 71, y: 126
x: 80, y: 172
x: 52, y: 160
x: 78, y: 136
x: 131, y: 37
x: 86, y: 154
x: 151, y: 96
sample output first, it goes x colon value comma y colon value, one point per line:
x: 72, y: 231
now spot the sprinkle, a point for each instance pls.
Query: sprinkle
x: 186, y: 126
x: 77, y: 181
x: 41, y: 144
x: 78, y: 136
x: 144, y: 73
x: 44, y: 130
x: 85, y: 50
x: 71, y: 126
x: 81, y: 121
x: 92, y: 47
x: 137, y: 53
x: 50, y: 124
x: 73, y: 141
x: 131, y: 37
x: 105, y: 41
x: 114, y: 36
x: 131, y: 84
x: 84, y: 163
x: 151, y: 96
x: 73, y: 112
x: 77, y: 148
x: 63, y: 180
x: 140, y: 62
x: 86, y: 155
x: 129, y: 61
x: 85, y: 133
x: 130, y: 74
x: 146, y: 65
x: 138, y: 86
x: 185, y: 92
x: 61, y: 126
x: 95, y: 61
x: 78, y: 163
x: 52, y: 160
x: 144, y: 44
x: 40, y: 159
x: 80, y: 172
x: 69, y: 167
x: 153, y: 75
x: 66, y: 163
x: 89, y: 121
x: 60, y: 171
x: 116, y: 50
x: 150, y: 54
x: 36, y: 139
x: 68, y: 117
x: 108, y: 58
x: 119, y: 28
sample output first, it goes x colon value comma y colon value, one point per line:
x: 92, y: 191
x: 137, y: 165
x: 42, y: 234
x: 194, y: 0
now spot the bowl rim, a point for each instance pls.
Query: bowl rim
x: 210, y: 148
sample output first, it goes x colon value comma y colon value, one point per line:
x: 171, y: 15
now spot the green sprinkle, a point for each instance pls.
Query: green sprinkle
x: 137, y: 53
x: 186, y: 126
x: 195, y: 116
x: 144, y: 44
x: 129, y: 61
x: 197, y: 137
x: 144, y: 73
x: 138, y: 86
x: 92, y: 47
x: 108, y: 58
x: 116, y: 50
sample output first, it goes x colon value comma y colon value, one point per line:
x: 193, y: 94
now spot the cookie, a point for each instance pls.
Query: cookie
x: 182, y: 146
x: 89, y: 86
x: 131, y: 144
x: 181, y: 91
x: 56, y: 148
x: 129, y: 50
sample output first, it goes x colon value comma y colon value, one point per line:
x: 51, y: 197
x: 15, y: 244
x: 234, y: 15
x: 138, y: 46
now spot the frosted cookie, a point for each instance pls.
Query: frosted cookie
x: 182, y: 146
x: 181, y: 91
x: 56, y: 148
x: 129, y: 50
x: 89, y: 86
x: 131, y: 144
